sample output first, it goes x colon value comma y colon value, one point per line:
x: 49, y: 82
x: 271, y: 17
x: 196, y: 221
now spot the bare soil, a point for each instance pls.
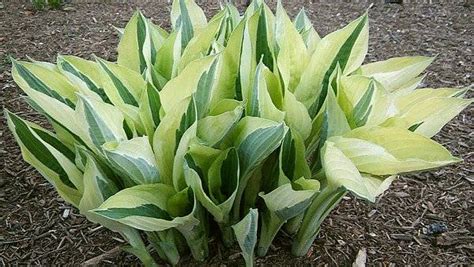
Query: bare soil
x: 37, y: 227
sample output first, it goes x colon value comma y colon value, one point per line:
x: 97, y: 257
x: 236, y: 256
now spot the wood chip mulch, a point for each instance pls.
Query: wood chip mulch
x: 424, y: 219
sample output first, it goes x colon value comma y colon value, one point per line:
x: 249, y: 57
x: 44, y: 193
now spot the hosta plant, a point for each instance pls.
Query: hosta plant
x: 238, y: 127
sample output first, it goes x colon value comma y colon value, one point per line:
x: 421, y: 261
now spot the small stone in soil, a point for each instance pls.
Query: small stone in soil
x: 435, y: 228
x: 66, y: 213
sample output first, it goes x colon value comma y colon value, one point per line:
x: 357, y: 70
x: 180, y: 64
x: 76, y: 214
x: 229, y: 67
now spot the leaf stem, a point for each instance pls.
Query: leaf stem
x: 165, y: 244
x: 196, y: 237
x: 270, y: 226
x: 293, y: 224
x: 137, y: 247
x: 227, y: 234
x: 319, y: 209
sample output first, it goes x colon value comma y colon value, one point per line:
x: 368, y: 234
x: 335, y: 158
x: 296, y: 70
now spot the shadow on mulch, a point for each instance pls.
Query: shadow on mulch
x: 37, y: 227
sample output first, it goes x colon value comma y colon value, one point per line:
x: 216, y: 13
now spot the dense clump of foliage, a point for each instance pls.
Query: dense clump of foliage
x: 239, y: 127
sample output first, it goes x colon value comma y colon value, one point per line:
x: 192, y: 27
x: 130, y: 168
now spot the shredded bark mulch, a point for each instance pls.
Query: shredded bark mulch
x: 424, y: 219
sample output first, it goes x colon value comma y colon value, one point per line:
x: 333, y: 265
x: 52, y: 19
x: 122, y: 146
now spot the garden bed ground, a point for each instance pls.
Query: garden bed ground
x: 37, y: 227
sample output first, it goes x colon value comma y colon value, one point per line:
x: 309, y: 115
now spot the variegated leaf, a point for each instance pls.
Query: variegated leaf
x: 83, y: 73
x: 49, y: 156
x: 99, y: 122
x: 149, y: 110
x: 396, y: 72
x: 223, y: 181
x: 388, y: 151
x: 292, y: 56
x: 122, y: 85
x: 38, y: 78
x: 305, y: 27
x: 346, y: 47
x: 139, y: 44
x: 259, y: 102
x: 133, y: 159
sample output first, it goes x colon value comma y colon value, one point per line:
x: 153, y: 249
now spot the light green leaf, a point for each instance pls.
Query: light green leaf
x: 377, y: 185
x: 395, y: 72
x: 189, y: 11
x: 213, y: 129
x: 145, y: 207
x: 204, y: 91
x: 305, y: 27
x: 292, y: 56
x: 203, y: 155
x: 264, y: 42
x: 65, y: 135
x: 306, y: 184
x: 230, y: 21
x: 188, y: 122
x: 152, y: 76
x: 165, y: 61
x: 229, y: 64
x: 61, y: 116
x: 134, y: 124
x: 388, y: 151
x: 286, y: 203
x: 199, y: 45
x: 341, y: 172
x: 330, y: 121
x: 365, y: 101
x: 362, y: 109
x: 133, y: 41
x: 352, y: 89
x: 133, y: 159
x: 431, y: 115
x: 253, y: 7
x: 97, y: 188
x: 426, y: 111
x: 260, y: 103
x: 149, y: 110
x: 255, y: 141
x: 183, y: 145
x: 248, y: 61
x: 408, y: 101
x: 296, y: 115
x: 139, y: 43
x: 47, y: 65
x: 164, y: 141
x: 309, y: 225
x: 334, y: 121
x: 185, y: 84
x: 166, y: 244
x: 292, y: 159
x: 223, y: 178
x: 409, y: 86
x: 223, y: 181
x: 346, y: 47
x: 257, y: 145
